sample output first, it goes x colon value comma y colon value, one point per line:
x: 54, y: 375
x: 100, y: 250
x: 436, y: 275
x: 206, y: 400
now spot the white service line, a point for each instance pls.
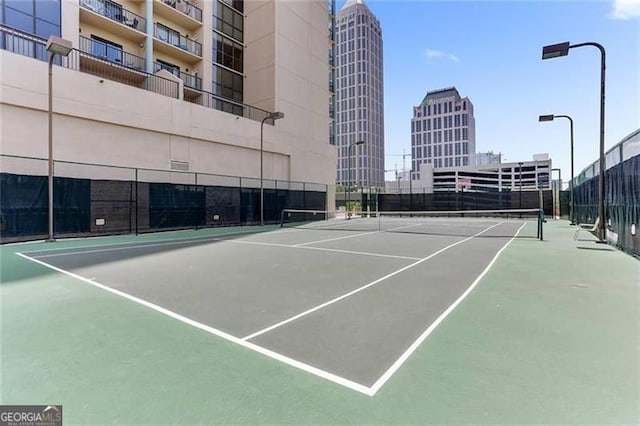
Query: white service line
x: 296, y: 246
x: 267, y: 352
x: 133, y: 245
x: 396, y: 365
x: 351, y: 293
x: 335, y: 239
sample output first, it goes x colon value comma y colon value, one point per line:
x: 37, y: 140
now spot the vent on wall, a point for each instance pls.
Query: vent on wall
x: 182, y: 166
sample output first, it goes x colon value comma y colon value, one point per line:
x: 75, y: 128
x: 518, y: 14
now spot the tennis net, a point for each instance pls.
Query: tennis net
x: 524, y: 223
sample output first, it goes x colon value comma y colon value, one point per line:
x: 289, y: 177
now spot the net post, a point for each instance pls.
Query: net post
x: 282, y: 218
x: 540, y: 223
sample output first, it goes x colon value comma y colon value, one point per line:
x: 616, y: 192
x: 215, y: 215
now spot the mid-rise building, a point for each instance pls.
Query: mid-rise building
x: 185, y: 85
x: 359, y: 96
x: 442, y: 131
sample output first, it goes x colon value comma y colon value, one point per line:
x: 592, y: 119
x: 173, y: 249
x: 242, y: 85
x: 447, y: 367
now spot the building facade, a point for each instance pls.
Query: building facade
x: 359, y: 96
x: 442, y: 131
x: 172, y: 85
x: 530, y: 175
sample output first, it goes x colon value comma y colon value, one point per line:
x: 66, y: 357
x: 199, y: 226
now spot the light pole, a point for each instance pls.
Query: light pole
x: 352, y: 144
x: 562, y: 49
x: 520, y: 164
x: 272, y: 116
x: 62, y: 47
x: 550, y: 117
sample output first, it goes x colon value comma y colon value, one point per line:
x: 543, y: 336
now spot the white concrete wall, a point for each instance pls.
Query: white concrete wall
x: 101, y: 121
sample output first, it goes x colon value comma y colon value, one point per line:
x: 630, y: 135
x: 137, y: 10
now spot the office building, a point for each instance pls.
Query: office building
x: 442, y: 131
x: 359, y: 96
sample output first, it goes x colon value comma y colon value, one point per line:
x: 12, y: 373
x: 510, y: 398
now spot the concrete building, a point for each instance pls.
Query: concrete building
x: 171, y: 85
x: 442, y: 131
x: 513, y: 176
x: 359, y: 96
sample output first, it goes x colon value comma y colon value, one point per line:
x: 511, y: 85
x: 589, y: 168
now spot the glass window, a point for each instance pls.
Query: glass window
x: 48, y: 10
x: 228, y: 21
x: 45, y: 29
x: 227, y: 52
x: 106, y: 49
x: 173, y: 69
x: 25, y: 6
x: 19, y: 20
x: 227, y: 84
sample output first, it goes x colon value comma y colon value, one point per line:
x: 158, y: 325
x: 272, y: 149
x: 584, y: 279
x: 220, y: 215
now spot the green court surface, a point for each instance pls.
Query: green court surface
x: 549, y: 334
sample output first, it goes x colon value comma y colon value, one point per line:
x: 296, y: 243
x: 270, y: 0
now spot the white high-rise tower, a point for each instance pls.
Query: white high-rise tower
x: 359, y: 96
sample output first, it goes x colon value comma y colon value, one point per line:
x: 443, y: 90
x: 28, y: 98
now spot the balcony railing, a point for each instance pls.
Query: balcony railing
x: 111, y: 53
x: 192, y: 81
x: 21, y: 43
x: 174, y: 38
x: 25, y: 44
x: 187, y: 8
x: 115, y: 12
x: 219, y: 103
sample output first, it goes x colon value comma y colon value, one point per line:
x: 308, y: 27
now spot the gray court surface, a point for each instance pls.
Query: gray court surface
x: 299, y: 293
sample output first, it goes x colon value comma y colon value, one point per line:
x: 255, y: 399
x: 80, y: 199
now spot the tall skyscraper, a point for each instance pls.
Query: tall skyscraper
x: 443, y: 131
x: 359, y: 96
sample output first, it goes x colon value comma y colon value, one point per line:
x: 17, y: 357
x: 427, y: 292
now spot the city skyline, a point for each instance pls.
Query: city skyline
x: 491, y: 51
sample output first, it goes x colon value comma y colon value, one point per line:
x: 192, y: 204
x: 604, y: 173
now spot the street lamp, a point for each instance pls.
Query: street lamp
x: 272, y: 116
x: 62, y: 47
x: 550, y: 117
x: 562, y: 49
x: 520, y: 164
x: 349, y: 174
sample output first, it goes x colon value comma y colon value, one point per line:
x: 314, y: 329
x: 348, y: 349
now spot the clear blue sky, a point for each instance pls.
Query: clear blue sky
x: 491, y: 52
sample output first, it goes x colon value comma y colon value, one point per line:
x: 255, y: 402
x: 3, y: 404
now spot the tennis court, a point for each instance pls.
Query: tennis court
x: 347, y: 309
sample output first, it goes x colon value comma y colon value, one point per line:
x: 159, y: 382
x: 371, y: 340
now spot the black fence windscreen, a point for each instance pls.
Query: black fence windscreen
x: 450, y: 201
x: 622, y: 203
x: 105, y: 207
x: 24, y: 206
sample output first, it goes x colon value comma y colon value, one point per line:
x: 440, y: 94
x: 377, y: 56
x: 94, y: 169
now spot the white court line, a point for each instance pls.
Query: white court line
x: 362, y: 253
x: 267, y: 352
x: 133, y: 244
x: 364, y: 287
x: 396, y: 365
x: 335, y: 239
x: 166, y: 243
x: 369, y: 391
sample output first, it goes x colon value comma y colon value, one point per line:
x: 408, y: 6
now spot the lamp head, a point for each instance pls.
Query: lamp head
x: 548, y: 117
x: 359, y: 143
x: 555, y: 50
x: 276, y: 115
x: 60, y: 46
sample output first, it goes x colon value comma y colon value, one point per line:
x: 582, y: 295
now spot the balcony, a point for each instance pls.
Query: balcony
x: 181, y: 12
x: 109, y: 53
x: 190, y: 81
x: 173, y: 43
x: 25, y: 44
x: 113, y: 17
